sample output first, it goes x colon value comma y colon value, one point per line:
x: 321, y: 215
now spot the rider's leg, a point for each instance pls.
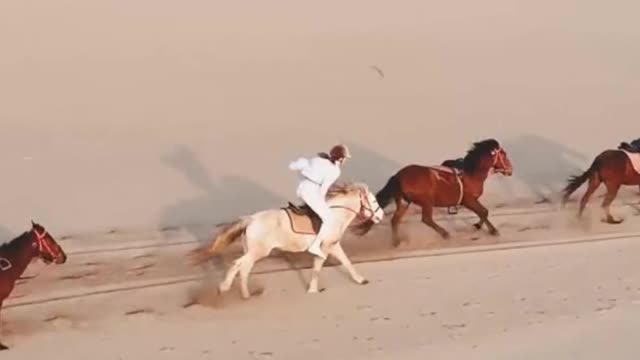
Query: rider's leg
x: 311, y: 196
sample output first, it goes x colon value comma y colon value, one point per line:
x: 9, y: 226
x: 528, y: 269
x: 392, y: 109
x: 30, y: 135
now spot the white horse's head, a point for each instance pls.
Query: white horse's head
x: 358, y: 196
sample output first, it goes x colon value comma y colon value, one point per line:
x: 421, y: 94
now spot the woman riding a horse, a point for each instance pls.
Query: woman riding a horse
x: 316, y: 177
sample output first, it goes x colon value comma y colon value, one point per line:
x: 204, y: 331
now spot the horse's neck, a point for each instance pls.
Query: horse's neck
x: 20, y: 256
x: 350, y: 205
x: 479, y: 175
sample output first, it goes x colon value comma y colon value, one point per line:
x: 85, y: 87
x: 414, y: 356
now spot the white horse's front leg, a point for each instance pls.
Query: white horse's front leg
x: 315, y: 274
x: 338, y: 252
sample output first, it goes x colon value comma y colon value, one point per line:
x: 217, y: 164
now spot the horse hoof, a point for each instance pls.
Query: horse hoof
x: 477, y: 226
x: 612, y: 220
x: 494, y: 232
x: 364, y: 282
x: 257, y: 291
x: 3, y: 347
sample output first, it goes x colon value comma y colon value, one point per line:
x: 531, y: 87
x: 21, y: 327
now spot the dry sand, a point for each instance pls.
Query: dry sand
x: 551, y: 302
x: 141, y: 124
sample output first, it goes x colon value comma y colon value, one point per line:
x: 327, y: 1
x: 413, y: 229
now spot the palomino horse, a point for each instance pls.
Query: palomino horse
x: 16, y: 255
x: 442, y: 186
x: 614, y: 168
x: 275, y: 229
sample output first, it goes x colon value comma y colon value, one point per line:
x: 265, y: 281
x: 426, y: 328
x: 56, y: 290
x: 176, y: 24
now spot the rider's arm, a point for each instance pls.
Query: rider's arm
x: 299, y: 164
x: 328, y: 180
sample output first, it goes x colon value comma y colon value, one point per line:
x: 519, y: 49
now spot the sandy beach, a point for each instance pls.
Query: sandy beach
x: 131, y: 129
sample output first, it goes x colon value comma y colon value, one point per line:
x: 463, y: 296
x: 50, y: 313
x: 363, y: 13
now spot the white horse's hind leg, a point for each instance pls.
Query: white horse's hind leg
x: 339, y: 253
x: 245, y: 270
x: 315, y: 274
x: 231, y: 274
x: 255, y: 253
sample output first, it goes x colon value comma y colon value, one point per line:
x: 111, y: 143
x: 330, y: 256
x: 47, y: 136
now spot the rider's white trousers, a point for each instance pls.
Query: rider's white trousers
x: 309, y: 192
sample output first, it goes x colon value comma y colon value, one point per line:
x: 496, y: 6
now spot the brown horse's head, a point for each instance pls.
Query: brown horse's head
x: 501, y: 162
x: 485, y: 156
x: 46, y: 246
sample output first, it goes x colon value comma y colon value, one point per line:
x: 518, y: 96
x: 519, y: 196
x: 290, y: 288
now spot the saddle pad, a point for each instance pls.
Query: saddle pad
x: 303, y: 224
x: 635, y: 160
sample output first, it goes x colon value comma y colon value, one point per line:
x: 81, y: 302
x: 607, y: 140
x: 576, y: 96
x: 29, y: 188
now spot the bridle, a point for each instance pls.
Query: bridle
x: 38, y: 243
x: 365, y: 206
x: 498, y: 159
x: 43, y: 245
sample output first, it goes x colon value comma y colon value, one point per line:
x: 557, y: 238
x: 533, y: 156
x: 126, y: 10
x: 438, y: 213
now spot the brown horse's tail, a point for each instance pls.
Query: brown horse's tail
x: 388, y: 192
x: 227, y: 236
x: 384, y: 197
x: 574, y: 182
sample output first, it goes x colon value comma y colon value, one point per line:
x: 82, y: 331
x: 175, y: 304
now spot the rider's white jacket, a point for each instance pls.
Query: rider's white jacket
x: 318, y: 170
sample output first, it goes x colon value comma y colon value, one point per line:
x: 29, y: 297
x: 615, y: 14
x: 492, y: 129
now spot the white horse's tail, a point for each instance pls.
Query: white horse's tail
x: 228, y: 235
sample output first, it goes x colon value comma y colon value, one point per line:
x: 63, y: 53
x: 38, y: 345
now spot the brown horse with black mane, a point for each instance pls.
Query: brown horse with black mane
x: 612, y: 167
x: 444, y: 186
x: 16, y: 255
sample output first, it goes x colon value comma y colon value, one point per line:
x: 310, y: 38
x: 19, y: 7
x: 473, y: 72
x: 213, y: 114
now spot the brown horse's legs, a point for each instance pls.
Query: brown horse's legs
x: 483, y: 213
x: 594, y: 182
x: 401, y: 210
x: 427, y: 218
x: 612, y: 191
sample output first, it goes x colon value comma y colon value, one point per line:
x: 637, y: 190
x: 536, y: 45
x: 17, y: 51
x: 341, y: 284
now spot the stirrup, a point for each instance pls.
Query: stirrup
x: 5, y: 264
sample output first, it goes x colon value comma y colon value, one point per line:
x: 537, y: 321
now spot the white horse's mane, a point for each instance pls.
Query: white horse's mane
x: 345, y: 188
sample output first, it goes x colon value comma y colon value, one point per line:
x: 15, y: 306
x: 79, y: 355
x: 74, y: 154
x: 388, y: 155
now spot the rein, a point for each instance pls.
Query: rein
x: 364, y: 205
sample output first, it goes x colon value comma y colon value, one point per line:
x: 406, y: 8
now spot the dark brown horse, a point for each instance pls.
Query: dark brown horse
x: 611, y: 167
x: 16, y: 255
x: 442, y: 186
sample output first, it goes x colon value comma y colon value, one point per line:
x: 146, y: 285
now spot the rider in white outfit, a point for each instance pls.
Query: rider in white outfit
x: 317, y: 175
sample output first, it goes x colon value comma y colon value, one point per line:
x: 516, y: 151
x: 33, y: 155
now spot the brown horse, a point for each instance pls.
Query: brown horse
x: 16, y: 255
x: 611, y: 167
x: 443, y: 186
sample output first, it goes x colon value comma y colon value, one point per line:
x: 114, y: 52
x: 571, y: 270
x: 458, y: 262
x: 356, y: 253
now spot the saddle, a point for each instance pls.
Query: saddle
x: 454, y: 163
x: 303, y: 219
x: 634, y: 147
x: 5, y: 264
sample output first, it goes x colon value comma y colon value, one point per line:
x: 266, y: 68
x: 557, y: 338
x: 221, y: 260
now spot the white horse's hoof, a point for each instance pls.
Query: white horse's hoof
x: 363, y: 282
x: 315, y: 291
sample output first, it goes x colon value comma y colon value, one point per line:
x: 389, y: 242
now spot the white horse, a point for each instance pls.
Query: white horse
x: 271, y: 229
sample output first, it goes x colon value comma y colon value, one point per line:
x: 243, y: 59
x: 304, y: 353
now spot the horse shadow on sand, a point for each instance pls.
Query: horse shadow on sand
x: 542, y: 165
x: 6, y: 235
x: 219, y: 200
x: 369, y: 167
